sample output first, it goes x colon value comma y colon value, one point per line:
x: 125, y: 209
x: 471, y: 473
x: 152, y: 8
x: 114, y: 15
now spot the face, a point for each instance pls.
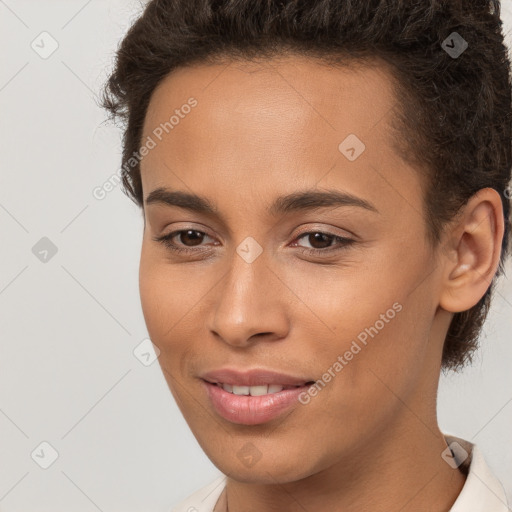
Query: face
x: 312, y: 263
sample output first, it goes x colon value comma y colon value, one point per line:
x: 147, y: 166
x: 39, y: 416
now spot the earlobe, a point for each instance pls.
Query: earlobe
x: 476, y: 237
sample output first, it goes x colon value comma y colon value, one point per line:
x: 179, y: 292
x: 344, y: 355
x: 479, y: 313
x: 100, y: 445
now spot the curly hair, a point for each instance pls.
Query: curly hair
x: 454, y: 116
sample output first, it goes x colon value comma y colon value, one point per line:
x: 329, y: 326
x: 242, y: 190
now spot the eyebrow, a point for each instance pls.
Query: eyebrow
x: 294, y: 202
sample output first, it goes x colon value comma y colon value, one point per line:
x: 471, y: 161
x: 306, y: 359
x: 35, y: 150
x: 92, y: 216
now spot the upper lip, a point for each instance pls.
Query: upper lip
x: 253, y: 377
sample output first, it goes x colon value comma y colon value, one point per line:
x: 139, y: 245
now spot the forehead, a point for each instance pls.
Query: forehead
x: 273, y: 125
x: 273, y: 93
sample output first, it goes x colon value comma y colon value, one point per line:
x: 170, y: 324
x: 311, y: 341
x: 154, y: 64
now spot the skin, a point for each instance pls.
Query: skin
x: 369, y: 440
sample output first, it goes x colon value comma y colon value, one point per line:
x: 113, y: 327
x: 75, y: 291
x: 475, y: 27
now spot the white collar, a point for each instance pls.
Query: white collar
x: 482, y: 491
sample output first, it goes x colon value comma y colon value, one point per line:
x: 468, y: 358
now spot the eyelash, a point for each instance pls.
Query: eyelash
x: 345, y: 242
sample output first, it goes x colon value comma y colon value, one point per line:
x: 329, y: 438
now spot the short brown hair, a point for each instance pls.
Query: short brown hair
x: 455, y: 111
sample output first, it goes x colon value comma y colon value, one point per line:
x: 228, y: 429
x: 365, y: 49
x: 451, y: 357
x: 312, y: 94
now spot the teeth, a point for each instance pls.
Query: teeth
x: 258, y: 390
x: 252, y: 390
x: 241, y: 390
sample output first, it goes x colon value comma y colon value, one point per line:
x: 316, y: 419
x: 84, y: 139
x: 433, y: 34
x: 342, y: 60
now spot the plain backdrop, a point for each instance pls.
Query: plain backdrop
x: 70, y: 315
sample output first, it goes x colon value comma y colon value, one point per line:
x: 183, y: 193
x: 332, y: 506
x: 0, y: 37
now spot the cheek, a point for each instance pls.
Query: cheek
x: 155, y: 297
x: 377, y: 320
x: 173, y: 299
x: 163, y: 297
x: 375, y: 299
x: 165, y: 293
x: 362, y: 397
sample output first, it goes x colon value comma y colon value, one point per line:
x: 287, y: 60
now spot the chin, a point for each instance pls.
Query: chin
x: 244, y: 462
x: 262, y: 474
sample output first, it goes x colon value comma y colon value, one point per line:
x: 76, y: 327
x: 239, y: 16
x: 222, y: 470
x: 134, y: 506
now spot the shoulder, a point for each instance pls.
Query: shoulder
x: 482, y: 491
x: 204, y: 499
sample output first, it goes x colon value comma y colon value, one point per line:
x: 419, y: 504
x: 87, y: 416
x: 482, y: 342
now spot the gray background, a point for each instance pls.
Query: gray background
x: 69, y: 325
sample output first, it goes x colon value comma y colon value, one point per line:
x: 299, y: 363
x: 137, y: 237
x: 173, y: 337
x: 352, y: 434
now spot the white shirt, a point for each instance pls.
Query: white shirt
x: 482, y: 491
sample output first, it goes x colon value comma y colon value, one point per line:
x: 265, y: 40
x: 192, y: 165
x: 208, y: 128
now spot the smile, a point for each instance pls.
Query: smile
x: 255, y: 390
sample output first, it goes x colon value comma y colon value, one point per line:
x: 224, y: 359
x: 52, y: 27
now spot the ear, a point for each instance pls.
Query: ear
x: 472, y: 252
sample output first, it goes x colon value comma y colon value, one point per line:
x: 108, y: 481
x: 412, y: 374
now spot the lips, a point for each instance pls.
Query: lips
x: 254, y: 396
x: 254, y: 378
x: 251, y: 410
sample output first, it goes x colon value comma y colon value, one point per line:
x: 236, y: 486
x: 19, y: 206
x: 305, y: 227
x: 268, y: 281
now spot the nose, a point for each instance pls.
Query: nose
x: 250, y: 304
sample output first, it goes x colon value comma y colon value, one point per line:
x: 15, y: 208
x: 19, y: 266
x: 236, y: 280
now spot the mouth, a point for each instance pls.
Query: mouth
x: 252, y: 405
x: 260, y: 390
x: 253, y: 395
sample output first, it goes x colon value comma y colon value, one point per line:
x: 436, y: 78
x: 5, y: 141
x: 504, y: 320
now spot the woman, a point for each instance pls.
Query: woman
x: 324, y: 190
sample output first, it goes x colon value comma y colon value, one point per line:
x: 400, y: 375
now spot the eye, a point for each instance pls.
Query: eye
x: 324, y: 241
x: 191, y: 238
x: 186, y: 235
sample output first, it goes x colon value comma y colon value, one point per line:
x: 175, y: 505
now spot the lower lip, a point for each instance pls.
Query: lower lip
x: 252, y: 410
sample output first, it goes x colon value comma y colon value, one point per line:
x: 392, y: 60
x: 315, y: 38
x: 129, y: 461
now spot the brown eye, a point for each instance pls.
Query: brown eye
x: 320, y: 240
x: 321, y: 243
x: 190, y: 235
x: 187, y: 240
